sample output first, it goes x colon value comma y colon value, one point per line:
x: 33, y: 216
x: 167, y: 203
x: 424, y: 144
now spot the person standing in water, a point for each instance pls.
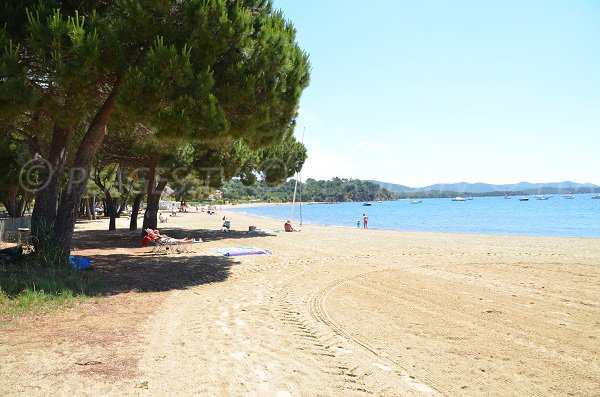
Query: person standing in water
x: 365, y: 221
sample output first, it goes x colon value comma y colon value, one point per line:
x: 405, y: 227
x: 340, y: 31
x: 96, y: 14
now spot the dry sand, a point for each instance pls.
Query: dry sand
x: 333, y: 312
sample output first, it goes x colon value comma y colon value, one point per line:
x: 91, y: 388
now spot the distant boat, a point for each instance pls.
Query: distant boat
x: 366, y: 204
x: 416, y: 201
x: 596, y: 196
x: 459, y: 198
x: 569, y: 197
x: 380, y: 201
x: 507, y: 197
x: 523, y: 198
x: 470, y: 198
x: 542, y: 197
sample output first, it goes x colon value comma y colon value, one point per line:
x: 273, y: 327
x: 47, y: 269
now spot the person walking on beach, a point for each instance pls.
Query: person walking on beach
x: 365, y: 221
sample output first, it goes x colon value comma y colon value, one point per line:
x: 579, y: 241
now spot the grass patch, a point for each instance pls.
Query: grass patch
x: 27, y: 287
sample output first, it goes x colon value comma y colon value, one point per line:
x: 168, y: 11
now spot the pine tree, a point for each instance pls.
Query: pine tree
x: 187, y: 69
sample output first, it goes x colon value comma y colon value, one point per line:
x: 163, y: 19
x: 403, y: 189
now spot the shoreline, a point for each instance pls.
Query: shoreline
x: 232, y: 210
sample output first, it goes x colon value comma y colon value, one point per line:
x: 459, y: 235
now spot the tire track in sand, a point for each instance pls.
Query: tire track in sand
x: 389, y: 378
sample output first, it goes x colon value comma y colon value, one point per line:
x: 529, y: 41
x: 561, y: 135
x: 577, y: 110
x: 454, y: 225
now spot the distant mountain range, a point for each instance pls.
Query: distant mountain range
x: 486, y: 188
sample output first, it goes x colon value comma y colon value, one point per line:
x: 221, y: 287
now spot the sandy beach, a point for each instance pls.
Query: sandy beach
x: 332, y: 312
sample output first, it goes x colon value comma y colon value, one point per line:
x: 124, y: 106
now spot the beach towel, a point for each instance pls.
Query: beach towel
x: 239, y: 251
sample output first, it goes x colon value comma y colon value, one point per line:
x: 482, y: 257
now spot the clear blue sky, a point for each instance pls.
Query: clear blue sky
x: 420, y: 92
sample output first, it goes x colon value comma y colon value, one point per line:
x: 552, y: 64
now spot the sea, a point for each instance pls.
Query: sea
x: 556, y: 216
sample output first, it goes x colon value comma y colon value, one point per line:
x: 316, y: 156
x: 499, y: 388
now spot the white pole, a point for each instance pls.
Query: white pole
x: 294, y: 199
x: 300, y: 178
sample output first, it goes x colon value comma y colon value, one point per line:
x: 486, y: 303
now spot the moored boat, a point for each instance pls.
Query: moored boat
x: 459, y: 198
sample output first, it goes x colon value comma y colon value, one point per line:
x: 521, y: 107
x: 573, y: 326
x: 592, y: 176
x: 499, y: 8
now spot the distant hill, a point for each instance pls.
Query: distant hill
x: 483, y: 188
x: 392, y: 187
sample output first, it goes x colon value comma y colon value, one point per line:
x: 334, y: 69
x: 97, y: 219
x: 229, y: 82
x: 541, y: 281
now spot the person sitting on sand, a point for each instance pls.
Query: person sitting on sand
x: 226, y: 225
x: 287, y: 226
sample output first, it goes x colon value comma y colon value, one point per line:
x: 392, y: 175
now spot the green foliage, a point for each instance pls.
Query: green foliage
x: 189, y: 188
x: 185, y: 71
x: 29, y: 287
x: 334, y: 190
x: 222, y: 160
x: 13, y: 155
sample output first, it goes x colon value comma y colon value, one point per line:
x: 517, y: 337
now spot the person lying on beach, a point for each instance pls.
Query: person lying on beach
x: 287, y: 226
x: 156, y: 235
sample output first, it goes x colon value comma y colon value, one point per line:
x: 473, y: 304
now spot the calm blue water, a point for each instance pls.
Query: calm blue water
x: 486, y: 215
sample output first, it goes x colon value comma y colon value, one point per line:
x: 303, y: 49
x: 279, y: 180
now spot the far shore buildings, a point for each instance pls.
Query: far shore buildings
x: 216, y: 195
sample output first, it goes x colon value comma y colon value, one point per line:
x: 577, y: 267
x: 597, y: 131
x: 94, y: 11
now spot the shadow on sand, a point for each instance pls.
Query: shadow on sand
x: 123, y: 238
x: 120, y: 265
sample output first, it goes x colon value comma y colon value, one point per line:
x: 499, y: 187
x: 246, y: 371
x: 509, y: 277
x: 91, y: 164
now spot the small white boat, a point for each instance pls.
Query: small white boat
x: 542, y: 197
x: 569, y: 197
x: 507, y: 197
x: 596, y: 196
x: 416, y: 201
x: 366, y: 204
x: 459, y: 198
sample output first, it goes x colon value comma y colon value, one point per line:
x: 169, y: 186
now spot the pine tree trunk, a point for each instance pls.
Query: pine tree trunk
x: 112, y: 224
x: 137, y: 202
x: 88, y: 208
x: 110, y: 210
x: 154, y: 193
x: 66, y: 214
x: 10, y: 201
x: 51, y: 174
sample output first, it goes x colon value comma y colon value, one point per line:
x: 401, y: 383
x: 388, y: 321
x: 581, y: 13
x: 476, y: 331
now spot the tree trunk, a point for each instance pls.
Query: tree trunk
x: 22, y: 204
x: 137, y: 202
x: 112, y: 224
x: 10, y: 201
x: 88, y: 208
x: 51, y: 174
x: 110, y: 210
x: 66, y: 216
x: 154, y: 192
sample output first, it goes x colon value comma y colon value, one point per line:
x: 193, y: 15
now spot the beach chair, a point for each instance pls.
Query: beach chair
x: 163, y: 242
x: 155, y: 240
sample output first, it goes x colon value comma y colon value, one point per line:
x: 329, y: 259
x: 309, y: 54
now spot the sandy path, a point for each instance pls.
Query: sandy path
x: 350, y: 312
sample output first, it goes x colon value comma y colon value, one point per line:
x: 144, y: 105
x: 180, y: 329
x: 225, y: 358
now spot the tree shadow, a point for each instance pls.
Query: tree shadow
x: 121, y: 273
x: 123, y: 238
x: 120, y: 263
